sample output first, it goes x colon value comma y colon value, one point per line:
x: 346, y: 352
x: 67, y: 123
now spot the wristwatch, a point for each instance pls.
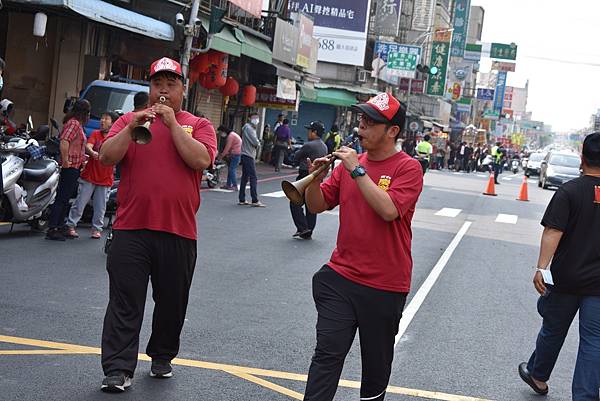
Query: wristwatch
x: 358, y: 171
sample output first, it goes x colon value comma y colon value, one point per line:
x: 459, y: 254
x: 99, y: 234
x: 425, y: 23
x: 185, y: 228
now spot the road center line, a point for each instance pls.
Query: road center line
x: 411, y: 310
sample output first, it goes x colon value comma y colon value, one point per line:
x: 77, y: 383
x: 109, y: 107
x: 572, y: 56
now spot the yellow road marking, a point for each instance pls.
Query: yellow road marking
x: 268, y: 384
x: 40, y: 352
x: 242, y: 372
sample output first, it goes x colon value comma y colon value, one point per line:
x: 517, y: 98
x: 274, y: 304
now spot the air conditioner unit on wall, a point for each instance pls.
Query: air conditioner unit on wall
x: 362, y: 75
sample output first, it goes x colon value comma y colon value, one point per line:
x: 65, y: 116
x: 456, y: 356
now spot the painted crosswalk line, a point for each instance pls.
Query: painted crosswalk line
x: 278, y: 194
x: 507, y: 218
x: 448, y: 212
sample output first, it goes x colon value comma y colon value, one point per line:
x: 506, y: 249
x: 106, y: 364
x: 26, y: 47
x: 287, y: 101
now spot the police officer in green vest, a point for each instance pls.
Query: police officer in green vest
x: 424, y: 152
x: 497, y: 155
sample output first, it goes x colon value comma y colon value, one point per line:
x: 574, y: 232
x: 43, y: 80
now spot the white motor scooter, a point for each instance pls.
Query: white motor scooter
x: 27, y: 186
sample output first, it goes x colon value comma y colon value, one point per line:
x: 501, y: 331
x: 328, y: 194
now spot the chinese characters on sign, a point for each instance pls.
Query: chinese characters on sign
x: 267, y: 97
x: 304, y: 49
x: 393, y: 60
x: 502, y: 51
x: 340, y: 26
x: 485, y: 94
x: 460, y: 25
x: 436, y: 84
x: 500, y: 88
x: 423, y: 12
x: 387, y: 17
x: 503, y: 66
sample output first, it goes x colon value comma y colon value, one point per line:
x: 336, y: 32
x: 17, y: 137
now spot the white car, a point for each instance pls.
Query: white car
x: 534, y: 164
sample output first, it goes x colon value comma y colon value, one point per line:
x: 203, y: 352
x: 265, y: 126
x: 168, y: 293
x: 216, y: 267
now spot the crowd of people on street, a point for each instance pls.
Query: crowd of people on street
x: 376, y: 192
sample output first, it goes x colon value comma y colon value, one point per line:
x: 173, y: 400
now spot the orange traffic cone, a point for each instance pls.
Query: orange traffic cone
x: 491, y: 186
x: 523, y: 192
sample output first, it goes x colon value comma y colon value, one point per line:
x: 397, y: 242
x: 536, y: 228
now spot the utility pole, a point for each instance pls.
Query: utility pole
x: 189, y: 30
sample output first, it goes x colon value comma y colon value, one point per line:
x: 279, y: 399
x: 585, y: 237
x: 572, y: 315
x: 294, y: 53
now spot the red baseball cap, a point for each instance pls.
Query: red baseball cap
x: 383, y: 108
x: 166, y: 64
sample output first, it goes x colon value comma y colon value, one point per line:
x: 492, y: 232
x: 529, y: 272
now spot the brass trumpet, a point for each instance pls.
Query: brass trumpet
x: 294, y: 191
x: 141, y: 134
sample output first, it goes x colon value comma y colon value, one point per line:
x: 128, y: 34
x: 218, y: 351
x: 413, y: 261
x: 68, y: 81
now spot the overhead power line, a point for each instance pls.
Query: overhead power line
x: 557, y: 60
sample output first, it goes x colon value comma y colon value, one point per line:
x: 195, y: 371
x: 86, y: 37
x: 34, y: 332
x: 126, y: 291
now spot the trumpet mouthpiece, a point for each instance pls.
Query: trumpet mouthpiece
x: 162, y: 99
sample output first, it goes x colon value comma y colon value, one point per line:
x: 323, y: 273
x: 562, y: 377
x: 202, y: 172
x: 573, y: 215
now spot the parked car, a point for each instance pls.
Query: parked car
x: 534, y: 164
x: 109, y: 96
x: 558, y: 168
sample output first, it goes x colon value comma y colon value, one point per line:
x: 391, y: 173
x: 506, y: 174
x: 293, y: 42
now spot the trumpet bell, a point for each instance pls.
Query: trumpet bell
x: 141, y: 134
x: 294, y: 191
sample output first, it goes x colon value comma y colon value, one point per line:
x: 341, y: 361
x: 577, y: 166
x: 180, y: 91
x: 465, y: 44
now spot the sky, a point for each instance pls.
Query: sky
x: 562, y: 94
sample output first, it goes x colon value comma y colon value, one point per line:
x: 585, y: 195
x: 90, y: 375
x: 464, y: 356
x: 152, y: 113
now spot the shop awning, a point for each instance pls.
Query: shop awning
x: 223, y: 41
x: 287, y: 72
x: 110, y: 14
x: 308, y: 93
x: 355, y: 89
x: 335, y: 97
x: 254, y: 47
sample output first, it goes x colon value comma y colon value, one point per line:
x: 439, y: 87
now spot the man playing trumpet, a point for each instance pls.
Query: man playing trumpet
x: 365, y: 284
x: 155, y: 226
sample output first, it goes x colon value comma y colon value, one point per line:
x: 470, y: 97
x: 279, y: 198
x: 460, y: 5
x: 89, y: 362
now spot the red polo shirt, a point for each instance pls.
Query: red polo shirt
x: 369, y: 250
x: 158, y: 191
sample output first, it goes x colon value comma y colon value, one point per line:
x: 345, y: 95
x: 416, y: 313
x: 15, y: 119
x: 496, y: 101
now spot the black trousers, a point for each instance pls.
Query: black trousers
x: 134, y: 257
x: 67, y: 187
x: 342, y: 307
x: 303, y: 218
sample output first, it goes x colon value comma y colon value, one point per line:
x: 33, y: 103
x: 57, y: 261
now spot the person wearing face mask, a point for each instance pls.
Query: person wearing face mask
x: 232, y: 152
x: 249, y: 146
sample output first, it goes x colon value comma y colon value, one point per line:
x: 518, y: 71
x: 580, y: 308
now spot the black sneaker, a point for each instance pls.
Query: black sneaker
x: 161, y: 369
x: 297, y: 234
x: 306, y: 234
x: 55, y: 234
x: 115, y: 383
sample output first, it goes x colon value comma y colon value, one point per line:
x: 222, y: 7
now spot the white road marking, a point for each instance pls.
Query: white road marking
x: 278, y: 194
x: 507, y: 218
x: 458, y: 173
x: 411, y: 310
x: 448, y: 212
x: 532, y: 181
x: 482, y: 175
x: 221, y: 190
x: 507, y: 179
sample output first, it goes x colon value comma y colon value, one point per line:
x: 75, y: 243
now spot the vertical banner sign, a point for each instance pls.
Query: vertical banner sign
x: 500, y: 89
x: 341, y: 27
x: 460, y: 25
x: 306, y: 33
x: 423, y: 13
x: 387, y: 17
x: 436, y: 84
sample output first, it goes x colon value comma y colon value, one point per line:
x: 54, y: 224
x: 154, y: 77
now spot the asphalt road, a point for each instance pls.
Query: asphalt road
x: 249, y: 333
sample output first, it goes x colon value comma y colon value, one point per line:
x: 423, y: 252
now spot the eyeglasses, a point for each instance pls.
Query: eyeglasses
x: 369, y: 122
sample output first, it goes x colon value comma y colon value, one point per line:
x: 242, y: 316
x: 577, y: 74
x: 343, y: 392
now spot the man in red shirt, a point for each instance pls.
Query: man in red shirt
x: 365, y: 284
x: 155, y: 226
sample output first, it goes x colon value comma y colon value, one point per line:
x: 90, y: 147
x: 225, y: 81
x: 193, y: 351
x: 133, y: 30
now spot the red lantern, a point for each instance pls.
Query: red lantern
x: 215, y: 78
x: 249, y: 95
x: 200, y: 63
x: 230, y: 88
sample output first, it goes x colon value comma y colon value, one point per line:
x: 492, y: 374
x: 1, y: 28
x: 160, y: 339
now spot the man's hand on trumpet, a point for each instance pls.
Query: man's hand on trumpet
x: 141, y: 117
x: 166, y: 113
x: 318, y: 163
x: 348, y: 156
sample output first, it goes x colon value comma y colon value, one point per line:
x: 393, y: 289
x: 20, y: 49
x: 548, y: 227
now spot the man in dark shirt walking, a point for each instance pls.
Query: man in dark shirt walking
x: 571, y: 240
x: 306, y: 221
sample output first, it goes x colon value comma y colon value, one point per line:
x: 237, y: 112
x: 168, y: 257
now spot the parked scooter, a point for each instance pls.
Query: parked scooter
x: 28, y: 182
x: 213, y: 175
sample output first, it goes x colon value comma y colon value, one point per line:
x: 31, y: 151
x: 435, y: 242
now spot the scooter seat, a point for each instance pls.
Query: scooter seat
x: 39, y: 170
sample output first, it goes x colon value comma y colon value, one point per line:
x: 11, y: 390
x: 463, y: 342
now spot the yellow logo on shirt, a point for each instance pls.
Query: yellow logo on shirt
x: 188, y: 128
x: 384, y: 182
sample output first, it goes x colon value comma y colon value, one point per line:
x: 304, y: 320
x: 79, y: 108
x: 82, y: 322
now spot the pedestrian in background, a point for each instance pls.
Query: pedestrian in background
x: 283, y: 142
x: 232, y: 153
x: 249, y: 147
x: 365, y: 284
x: 571, y: 247
x: 304, y: 220
x: 140, y: 101
x: 155, y: 229
x: 72, y: 153
x: 333, y: 141
x: 95, y: 181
